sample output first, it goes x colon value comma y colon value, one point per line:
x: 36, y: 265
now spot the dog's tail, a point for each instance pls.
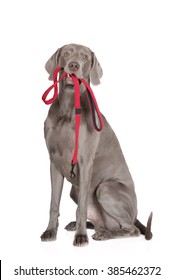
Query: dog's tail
x: 145, y: 230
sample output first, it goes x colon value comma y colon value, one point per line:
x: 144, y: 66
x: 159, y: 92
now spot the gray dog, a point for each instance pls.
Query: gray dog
x: 103, y: 188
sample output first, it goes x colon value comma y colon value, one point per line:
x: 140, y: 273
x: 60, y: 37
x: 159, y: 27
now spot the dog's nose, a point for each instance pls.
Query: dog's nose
x: 73, y: 66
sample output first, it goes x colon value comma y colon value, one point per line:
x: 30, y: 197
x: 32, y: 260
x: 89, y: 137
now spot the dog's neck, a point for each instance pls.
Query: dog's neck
x: 66, y: 101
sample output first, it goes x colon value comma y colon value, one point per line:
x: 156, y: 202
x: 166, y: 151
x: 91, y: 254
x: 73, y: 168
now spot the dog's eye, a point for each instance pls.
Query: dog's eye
x: 66, y: 53
x: 85, y: 56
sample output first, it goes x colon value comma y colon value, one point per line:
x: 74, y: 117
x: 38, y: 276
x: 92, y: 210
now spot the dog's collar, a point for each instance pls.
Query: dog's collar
x: 92, y: 102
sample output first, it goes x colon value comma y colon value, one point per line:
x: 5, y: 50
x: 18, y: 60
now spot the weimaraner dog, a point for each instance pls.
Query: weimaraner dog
x: 103, y: 188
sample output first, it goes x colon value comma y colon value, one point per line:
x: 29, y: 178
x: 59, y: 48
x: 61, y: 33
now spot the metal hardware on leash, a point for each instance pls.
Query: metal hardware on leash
x: 72, y: 174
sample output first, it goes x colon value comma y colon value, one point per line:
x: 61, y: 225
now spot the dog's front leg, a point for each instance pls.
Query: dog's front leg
x: 81, y: 237
x: 56, y: 191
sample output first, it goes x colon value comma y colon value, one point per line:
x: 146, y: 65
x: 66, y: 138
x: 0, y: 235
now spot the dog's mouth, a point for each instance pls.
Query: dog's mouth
x: 68, y: 81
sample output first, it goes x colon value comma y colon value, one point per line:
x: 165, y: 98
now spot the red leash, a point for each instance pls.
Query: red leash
x: 92, y: 102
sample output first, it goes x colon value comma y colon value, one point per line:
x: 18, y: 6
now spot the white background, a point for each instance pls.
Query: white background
x: 134, y: 42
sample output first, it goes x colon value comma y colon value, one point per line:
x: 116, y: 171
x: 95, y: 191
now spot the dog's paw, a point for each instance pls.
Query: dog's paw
x: 71, y: 226
x: 102, y: 235
x: 49, y: 235
x: 80, y: 240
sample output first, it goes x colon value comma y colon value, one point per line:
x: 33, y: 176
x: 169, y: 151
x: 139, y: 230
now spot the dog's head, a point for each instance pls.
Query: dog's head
x: 78, y: 60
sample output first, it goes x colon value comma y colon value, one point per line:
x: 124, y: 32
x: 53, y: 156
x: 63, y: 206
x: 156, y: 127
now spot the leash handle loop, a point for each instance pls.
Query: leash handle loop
x: 55, y: 86
x: 93, y: 106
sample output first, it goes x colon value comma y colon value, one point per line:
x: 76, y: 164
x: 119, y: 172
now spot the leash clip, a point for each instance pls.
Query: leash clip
x: 72, y: 174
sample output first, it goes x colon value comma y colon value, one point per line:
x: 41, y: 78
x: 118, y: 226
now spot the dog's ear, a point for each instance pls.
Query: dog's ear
x: 96, y: 71
x: 52, y: 63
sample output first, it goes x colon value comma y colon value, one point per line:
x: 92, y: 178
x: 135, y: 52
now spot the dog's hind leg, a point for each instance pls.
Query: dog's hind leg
x: 56, y: 191
x: 72, y: 226
x: 118, y: 208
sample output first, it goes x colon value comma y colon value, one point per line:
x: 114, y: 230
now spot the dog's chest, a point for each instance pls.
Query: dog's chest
x: 60, y: 139
x: 60, y: 143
